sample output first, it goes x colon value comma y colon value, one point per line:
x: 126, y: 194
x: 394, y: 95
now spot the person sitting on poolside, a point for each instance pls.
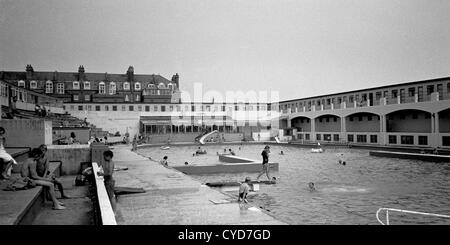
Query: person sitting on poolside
x: 28, y: 172
x: 164, y: 161
x: 311, y: 186
x: 244, y: 188
x: 42, y: 170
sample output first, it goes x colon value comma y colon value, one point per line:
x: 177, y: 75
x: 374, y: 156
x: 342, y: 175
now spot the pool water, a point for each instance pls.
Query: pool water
x: 349, y: 194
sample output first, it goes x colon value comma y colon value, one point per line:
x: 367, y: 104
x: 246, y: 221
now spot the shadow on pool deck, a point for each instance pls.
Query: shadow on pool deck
x: 173, y: 198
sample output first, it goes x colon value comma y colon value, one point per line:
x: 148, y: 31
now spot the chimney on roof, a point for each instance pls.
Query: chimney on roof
x: 30, y: 71
x: 130, y: 73
x: 175, y: 79
x: 55, y: 76
x: 80, y: 73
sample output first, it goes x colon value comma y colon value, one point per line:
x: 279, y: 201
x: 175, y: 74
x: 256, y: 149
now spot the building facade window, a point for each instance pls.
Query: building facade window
x: 114, y: 108
x: 75, y: 85
x: 49, y: 87
x: 87, y: 97
x: 407, y: 140
x: 75, y: 97
x: 21, y: 84
x: 430, y: 89
x: 373, y: 139
x: 350, y: 138
x: 80, y: 107
x: 60, y: 88
x: 126, y: 86
x: 33, y: 85
x: 361, y: 138
x: 423, y: 140
x: 112, y: 88
x: 106, y: 108
x: 147, y: 108
x: 137, y: 86
x: 131, y: 108
x: 87, y: 85
x: 97, y: 108
x: 161, y: 86
x: 392, y: 139
x: 124, y: 108
x: 101, y: 88
x: 139, y: 108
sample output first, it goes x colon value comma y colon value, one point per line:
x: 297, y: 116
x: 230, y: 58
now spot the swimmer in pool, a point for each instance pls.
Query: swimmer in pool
x: 340, y: 161
x: 311, y: 186
x: 232, y: 152
x: 281, y: 153
x: 186, y: 163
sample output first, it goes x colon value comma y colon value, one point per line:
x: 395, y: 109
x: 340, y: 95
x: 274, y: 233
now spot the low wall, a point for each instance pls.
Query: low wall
x: 404, y: 155
x: 71, y: 157
x: 27, y: 132
x: 225, y: 168
x: 106, y: 212
x: 82, y: 134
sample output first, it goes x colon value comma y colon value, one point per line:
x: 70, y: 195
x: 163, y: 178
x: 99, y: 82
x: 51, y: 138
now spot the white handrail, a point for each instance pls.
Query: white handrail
x: 405, y: 211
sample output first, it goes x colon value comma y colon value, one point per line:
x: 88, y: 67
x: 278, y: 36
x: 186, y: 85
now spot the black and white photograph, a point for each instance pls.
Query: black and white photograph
x: 225, y: 113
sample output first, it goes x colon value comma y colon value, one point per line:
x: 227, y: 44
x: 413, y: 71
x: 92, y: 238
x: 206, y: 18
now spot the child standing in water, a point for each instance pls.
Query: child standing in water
x: 6, y: 158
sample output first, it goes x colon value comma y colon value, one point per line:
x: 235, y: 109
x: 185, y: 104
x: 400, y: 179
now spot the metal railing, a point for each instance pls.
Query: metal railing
x: 405, y: 211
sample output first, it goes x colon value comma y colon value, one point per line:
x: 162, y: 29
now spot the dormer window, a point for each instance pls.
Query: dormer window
x: 137, y: 86
x: 49, y: 87
x: 33, y: 84
x: 21, y: 84
x: 87, y: 85
x: 126, y: 86
x: 60, y: 88
x: 112, y: 88
x: 151, y: 86
x: 101, y: 88
x: 170, y: 86
x: 161, y: 86
x: 76, y: 85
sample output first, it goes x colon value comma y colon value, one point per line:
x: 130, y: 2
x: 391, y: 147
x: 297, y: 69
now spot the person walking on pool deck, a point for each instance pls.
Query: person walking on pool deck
x: 108, y: 169
x: 28, y: 171
x: 42, y: 167
x: 265, y: 163
x: 243, y: 190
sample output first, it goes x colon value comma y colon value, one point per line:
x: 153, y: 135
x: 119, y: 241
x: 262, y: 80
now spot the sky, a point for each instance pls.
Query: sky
x: 297, y: 48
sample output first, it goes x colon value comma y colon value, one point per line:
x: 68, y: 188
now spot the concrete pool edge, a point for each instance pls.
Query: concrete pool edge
x: 155, y: 172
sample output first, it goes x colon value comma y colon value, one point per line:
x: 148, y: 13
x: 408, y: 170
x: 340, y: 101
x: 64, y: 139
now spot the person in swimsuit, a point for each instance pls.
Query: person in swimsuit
x: 244, y: 188
x: 265, y: 163
x: 5, y: 158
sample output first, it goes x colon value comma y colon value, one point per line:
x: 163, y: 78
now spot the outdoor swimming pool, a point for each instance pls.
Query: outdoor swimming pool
x: 348, y: 194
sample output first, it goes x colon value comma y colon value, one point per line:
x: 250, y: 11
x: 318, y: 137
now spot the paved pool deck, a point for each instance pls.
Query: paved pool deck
x: 173, y: 198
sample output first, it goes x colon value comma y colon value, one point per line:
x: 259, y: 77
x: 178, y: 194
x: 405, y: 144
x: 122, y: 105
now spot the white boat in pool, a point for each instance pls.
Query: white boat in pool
x: 165, y: 147
x: 316, y: 150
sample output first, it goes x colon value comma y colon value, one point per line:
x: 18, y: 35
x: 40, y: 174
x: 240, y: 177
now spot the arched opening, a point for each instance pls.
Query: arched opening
x: 362, y: 122
x: 444, y: 121
x: 327, y: 123
x: 415, y: 121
